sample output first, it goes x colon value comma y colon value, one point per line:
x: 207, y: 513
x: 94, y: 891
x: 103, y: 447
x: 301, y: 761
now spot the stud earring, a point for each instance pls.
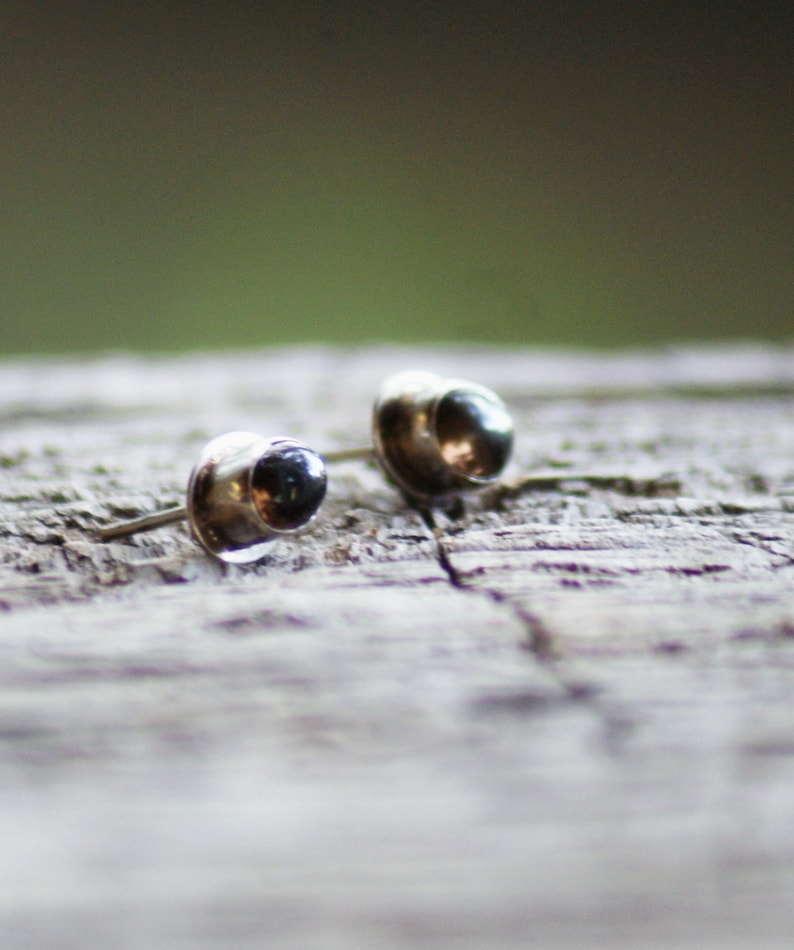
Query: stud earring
x: 243, y: 493
x: 437, y: 438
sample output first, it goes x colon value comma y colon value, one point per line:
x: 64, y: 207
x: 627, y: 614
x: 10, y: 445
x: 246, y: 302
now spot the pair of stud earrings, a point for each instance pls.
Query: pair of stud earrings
x: 433, y: 438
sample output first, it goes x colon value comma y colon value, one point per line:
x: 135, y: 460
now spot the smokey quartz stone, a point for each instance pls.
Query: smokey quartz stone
x: 474, y: 433
x: 288, y: 485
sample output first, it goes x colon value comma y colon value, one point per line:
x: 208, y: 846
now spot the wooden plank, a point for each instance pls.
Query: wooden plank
x: 566, y: 722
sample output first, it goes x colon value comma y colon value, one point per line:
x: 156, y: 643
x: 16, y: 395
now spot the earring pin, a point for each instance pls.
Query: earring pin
x: 157, y: 519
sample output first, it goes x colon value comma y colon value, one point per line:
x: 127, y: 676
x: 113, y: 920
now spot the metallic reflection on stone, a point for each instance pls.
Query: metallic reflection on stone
x: 245, y: 491
x: 436, y: 438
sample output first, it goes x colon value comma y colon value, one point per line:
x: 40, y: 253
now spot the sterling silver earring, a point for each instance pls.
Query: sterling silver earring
x: 437, y: 438
x: 244, y: 492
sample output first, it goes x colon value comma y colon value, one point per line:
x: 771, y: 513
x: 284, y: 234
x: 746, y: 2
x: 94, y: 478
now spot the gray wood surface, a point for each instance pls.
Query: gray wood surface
x: 567, y: 723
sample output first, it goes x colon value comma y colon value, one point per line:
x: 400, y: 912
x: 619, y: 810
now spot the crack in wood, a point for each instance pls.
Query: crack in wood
x: 539, y: 640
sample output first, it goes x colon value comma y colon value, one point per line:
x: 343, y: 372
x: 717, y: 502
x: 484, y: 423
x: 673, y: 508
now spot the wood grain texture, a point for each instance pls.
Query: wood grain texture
x: 566, y: 722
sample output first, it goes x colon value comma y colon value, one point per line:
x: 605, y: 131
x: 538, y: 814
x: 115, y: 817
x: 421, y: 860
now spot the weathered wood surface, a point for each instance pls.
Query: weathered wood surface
x: 570, y: 724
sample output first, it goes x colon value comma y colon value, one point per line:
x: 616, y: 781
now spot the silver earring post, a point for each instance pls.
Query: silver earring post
x: 158, y: 519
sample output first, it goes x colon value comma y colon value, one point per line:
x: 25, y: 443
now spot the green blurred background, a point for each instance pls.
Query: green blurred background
x: 192, y: 175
